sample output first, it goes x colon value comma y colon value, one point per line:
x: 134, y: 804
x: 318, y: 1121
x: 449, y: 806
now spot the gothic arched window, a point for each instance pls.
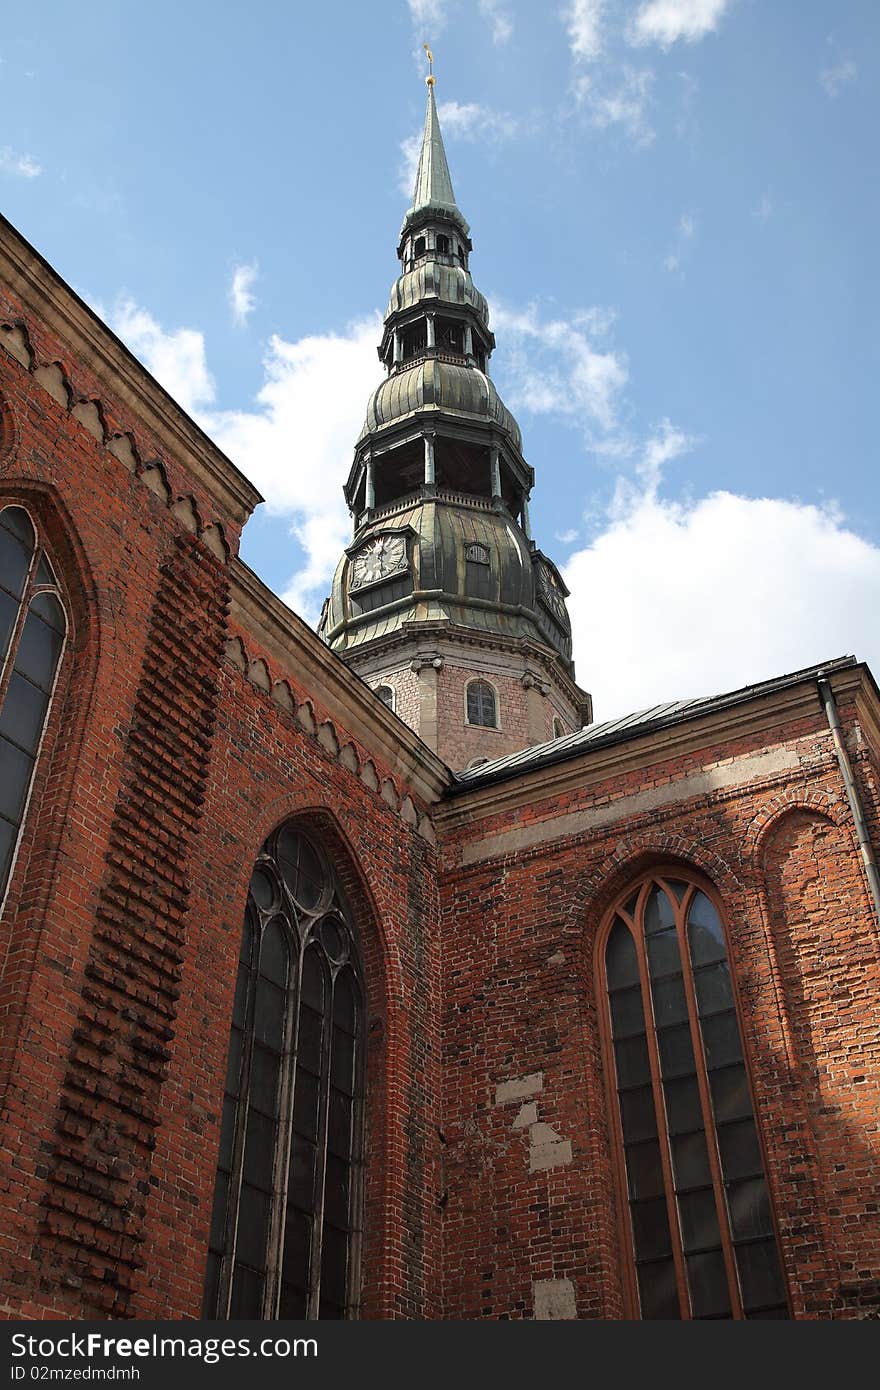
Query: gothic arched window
x: 33, y: 627
x: 700, y: 1232
x: 286, y: 1218
x: 482, y: 706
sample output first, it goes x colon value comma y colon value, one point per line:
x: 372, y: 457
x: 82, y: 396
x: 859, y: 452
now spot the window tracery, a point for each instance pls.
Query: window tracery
x: 286, y: 1219
x: 700, y: 1230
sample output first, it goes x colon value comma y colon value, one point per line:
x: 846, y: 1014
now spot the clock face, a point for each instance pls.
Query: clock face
x: 552, y: 597
x: 379, y: 558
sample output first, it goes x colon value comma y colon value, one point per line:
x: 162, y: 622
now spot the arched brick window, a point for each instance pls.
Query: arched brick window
x: 699, y: 1235
x: 482, y: 705
x: 286, y: 1220
x: 33, y: 628
x: 386, y: 695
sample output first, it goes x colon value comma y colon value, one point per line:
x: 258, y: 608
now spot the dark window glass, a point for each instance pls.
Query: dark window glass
x: 32, y: 631
x: 17, y: 768
x: 386, y: 695
x: 749, y: 1209
x: 284, y: 1220
x: 481, y: 708
x: 17, y: 541
x: 707, y: 1280
x: 699, y: 1220
x: 38, y: 650
x: 740, y: 1152
x: 658, y: 1291
x: 626, y: 1011
x: 678, y: 1072
x: 8, y: 614
x: 633, y: 1065
x: 759, y: 1275
x: 690, y: 1161
x: 637, y: 1112
x: 645, y: 1169
x: 670, y: 1001
x: 621, y: 961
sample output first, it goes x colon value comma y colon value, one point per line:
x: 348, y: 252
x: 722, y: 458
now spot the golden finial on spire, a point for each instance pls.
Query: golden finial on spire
x: 430, y: 79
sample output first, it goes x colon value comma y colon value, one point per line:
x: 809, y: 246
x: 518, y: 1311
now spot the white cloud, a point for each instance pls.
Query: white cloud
x: 458, y: 121
x: 624, y: 104
x: 703, y: 596
x: 23, y: 165
x: 559, y: 367
x: 497, y: 15
x: 664, y: 22
x: 428, y: 13
x: 176, y: 359
x: 583, y: 23
x: 837, y: 76
x: 242, y: 300
x: 296, y: 442
x: 685, y: 233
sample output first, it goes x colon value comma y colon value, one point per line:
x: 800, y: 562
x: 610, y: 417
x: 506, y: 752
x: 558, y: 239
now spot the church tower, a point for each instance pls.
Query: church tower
x: 443, y: 602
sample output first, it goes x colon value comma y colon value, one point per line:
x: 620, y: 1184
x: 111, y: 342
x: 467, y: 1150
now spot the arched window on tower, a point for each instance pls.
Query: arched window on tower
x: 386, y: 694
x: 558, y: 728
x: 33, y: 628
x: 701, y: 1241
x: 443, y: 245
x: 482, y: 705
x: 285, y: 1225
x: 419, y: 247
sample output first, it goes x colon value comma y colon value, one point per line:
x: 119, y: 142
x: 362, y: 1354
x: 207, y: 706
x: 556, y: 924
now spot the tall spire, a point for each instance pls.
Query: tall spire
x: 433, y: 186
x: 433, y: 190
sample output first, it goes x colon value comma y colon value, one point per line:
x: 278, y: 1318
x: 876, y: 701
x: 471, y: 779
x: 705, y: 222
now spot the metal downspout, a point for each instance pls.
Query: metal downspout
x: 826, y: 695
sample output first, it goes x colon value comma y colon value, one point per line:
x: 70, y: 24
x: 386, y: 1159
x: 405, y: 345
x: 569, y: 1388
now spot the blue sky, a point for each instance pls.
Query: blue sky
x: 674, y: 208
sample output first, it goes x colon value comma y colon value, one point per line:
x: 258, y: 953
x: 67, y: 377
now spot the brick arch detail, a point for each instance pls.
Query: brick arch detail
x: 783, y: 804
x: 637, y: 853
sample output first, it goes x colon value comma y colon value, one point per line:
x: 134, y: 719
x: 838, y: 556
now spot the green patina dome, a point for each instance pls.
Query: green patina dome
x: 439, y: 533
x: 446, y: 284
x: 451, y: 387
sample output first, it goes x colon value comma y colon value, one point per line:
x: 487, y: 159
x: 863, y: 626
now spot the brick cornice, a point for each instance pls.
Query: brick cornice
x: 55, y: 304
x: 346, y: 698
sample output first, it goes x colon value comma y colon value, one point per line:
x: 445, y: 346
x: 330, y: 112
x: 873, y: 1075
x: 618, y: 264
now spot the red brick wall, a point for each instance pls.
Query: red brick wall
x: 525, y: 717
x: 519, y: 1000
x: 163, y: 771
